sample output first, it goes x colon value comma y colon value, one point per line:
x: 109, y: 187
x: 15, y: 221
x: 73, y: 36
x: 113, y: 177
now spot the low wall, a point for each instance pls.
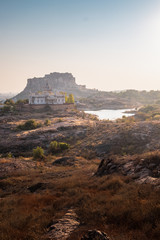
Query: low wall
x: 44, y: 107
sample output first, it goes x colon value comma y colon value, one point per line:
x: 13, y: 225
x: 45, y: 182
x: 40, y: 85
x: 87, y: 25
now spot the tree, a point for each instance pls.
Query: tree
x: 70, y: 98
x: 9, y: 102
x: 22, y: 101
x: 7, y: 108
x: 29, y: 125
x: 66, y: 98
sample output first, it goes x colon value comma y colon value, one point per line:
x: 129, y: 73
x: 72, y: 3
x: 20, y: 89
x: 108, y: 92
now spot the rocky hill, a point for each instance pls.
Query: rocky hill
x: 56, y: 82
x: 91, y: 99
x: 108, y: 177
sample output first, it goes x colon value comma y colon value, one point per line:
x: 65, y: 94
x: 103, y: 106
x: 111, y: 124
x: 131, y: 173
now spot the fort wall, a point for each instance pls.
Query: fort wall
x: 45, y: 107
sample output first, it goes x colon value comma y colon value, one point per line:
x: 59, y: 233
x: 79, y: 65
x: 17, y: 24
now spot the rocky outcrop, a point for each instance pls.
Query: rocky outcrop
x: 62, y: 229
x: 56, y: 82
x: 143, y: 168
x: 95, y: 235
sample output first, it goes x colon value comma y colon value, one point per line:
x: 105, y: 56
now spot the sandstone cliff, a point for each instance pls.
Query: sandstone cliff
x: 56, y: 82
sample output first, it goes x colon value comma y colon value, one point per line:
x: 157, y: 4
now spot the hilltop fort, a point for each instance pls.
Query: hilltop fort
x: 57, y: 82
x: 91, y: 99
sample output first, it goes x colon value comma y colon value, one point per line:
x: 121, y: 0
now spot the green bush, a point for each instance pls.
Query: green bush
x: 9, y: 155
x: 7, y: 108
x: 38, y: 153
x: 69, y: 99
x: 9, y: 102
x: 63, y: 146
x: 147, y: 109
x: 59, y: 120
x: 47, y: 122
x: 22, y: 101
x: 29, y: 125
x: 55, y: 146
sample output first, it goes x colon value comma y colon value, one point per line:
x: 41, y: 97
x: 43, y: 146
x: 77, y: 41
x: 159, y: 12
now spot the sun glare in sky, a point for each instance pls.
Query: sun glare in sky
x: 108, y: 45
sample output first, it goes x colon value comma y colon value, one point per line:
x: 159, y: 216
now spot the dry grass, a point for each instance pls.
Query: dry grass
x: 113, y: 204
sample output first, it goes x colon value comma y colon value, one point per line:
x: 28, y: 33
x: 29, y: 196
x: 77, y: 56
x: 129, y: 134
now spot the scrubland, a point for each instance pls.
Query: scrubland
x: 35, y: 192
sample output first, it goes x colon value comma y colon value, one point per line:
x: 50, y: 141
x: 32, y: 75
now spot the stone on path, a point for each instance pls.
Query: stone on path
x: 95, y: 235
x: 62, y: 229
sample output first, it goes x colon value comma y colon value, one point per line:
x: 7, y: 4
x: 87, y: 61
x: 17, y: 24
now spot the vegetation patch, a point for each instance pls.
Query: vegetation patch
x: 29, y: 125
x: 38, y: 153
x: 112, y: 204
x: 47, y: 122
x: 55, y: 146
x: 7, y: 108
x: 35, y: 193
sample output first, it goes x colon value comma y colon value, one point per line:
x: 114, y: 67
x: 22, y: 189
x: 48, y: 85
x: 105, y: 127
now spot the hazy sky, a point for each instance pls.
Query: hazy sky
x: 105, y: 44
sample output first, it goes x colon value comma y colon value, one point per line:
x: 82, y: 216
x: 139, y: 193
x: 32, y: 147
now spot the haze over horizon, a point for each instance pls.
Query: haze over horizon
x: 107, y: 45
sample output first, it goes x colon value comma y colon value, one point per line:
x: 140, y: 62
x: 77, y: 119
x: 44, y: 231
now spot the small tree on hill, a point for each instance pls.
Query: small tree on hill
x: 53, y: 147
x: 38, y: 153
x: 22, y: 101
x: 47, y: 122
x: 70, y: 98
x: 63, y: 146
x: 56, y: 147
x: 29, y: 125
x: 66, y: 98
x: 7, y: 108
x: 9, y: 102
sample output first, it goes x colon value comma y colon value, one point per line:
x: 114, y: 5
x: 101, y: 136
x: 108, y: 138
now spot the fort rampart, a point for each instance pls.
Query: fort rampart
x: 45, y: 107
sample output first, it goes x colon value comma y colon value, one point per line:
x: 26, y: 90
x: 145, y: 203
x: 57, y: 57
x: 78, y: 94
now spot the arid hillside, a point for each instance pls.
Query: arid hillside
x: 63, y: 173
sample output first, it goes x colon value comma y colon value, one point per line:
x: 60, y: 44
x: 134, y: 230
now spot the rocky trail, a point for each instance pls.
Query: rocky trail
x: 62, y: 229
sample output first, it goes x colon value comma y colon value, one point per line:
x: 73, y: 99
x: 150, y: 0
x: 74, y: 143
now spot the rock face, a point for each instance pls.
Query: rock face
x: 95, y: 235
x: 143, y: 169
x: 56, y: 82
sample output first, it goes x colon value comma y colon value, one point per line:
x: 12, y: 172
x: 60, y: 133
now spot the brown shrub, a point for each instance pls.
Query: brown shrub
x: 113, y: 204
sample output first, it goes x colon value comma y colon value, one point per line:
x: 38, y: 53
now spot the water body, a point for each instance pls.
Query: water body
x: 108, y: 114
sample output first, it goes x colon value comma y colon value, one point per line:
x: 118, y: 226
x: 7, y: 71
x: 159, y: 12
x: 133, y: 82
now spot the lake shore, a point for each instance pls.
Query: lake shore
x: 110, y: 114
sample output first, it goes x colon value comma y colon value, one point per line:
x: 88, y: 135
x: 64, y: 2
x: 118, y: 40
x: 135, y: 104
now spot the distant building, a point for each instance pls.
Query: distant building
x: 44, y: 98
x: 47, y: 97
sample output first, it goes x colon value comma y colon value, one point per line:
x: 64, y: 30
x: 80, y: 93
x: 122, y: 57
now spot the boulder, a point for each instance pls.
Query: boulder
x: 141, y: 170
x: 36, y: 187
x: 95, y: 235
x: 65, y: 161
x: 107, y: 166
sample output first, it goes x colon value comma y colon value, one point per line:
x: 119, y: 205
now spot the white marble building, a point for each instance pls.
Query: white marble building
x: 47, y: 97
